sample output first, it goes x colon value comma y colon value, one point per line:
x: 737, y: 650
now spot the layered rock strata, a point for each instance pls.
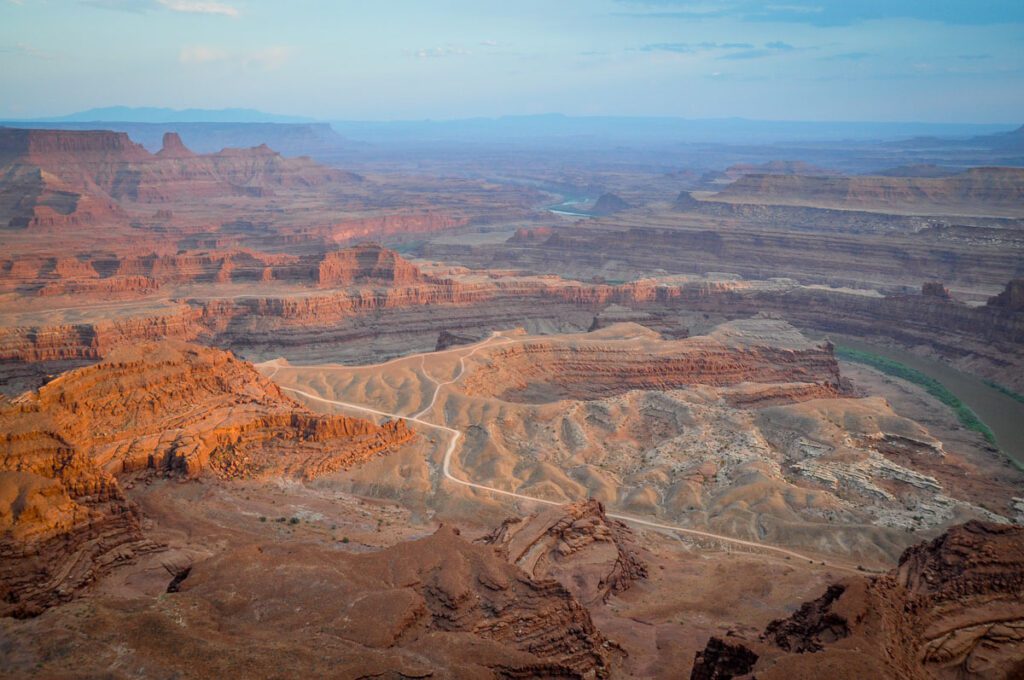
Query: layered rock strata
x: 953, y: 608
x: 980, y: 189
x: 356, y: 287
x: 171, y: 407
x: 589, y: 370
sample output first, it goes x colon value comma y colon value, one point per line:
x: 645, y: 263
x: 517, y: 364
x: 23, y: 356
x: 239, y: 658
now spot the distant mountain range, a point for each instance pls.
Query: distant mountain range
x: 152, y: 114
x: 1008, y: 141
x: 557, y: 128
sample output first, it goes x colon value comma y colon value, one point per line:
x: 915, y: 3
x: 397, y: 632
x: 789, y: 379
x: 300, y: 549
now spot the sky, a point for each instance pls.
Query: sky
x: 850, y: 60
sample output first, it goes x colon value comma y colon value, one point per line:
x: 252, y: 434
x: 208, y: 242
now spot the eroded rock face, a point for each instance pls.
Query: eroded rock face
x: 1012, y: 297
x: 578, y: 545
x: 367, y: 263
x: 446, y: 340
x: 436, y: 607
x: 172, y: 407
x: 722, y: 660
x: 361, y: 264
x: 179, y: 407
x: 735, y: 353
x: 64, y: 522
x: 953, y: 608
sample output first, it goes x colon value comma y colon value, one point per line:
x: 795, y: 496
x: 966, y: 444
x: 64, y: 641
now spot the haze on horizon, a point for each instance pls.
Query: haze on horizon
x: 901, y: 60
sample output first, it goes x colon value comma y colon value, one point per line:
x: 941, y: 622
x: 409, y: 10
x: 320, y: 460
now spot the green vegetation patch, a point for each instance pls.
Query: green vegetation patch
x: 967, y: 417
x: 1016, y: 396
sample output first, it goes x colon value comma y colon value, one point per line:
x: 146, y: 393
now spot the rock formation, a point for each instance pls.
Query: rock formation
x: 983, y: 189
x: 171, y: 407
x: 173, y: 147
x: 577, y: 545
x: 57, y: 178
x: 592, y: 369
x: 178, y: 407
x: 1012, y: 297
x: 779, y: 168
x: 367, y: 281
x: 953, y: 608
x: 64, y: 521
x: 609, y: 204
x: 935, y: 289
x: 365, y: 264
x: 435, y: 607
x: 446, y: 340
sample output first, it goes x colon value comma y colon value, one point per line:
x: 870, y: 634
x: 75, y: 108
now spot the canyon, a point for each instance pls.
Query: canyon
x: 468, y: 412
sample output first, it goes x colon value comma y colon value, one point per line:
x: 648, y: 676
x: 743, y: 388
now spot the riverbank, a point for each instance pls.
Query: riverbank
x: 996, y: 409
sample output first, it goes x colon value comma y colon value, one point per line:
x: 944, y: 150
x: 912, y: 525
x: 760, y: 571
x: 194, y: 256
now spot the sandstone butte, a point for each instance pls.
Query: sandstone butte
x: 952, y: 608
x: 168, y: 407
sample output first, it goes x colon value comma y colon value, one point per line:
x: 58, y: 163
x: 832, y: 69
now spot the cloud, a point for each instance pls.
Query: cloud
x: 201, y: 54
x: 24, y: 50
x: 847, y: 56
x: 199, y: 7
x: 799, y: 9
x: 831, y: 12
x: 440, y: 52
x: 770, y: 49
x: 691, y: 48
x: 135, y: 6
x: 266, y: 59
x: 183, y: 6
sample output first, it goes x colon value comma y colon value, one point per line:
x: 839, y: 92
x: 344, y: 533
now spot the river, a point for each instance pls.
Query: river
x: 1003, y: 414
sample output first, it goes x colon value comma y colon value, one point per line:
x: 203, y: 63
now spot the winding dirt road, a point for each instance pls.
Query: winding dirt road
x: 456, y: 435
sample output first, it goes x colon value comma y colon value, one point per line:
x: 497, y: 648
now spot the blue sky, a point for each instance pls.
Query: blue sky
x: 900, y: 60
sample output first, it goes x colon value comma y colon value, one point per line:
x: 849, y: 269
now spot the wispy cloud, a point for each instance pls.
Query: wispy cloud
x: 829, y: 12
x: 266, y: 59
x: 795, y: 9
x: 183, y: 6
x: 135, y: 6
x: 441, y: 52
x: 692, y: 48
x: 770, y: 49
x: 269, y: 58
x: 25, y: 50
x: 201, y: 54
x: 200, y: 7
x: 846, y: 56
